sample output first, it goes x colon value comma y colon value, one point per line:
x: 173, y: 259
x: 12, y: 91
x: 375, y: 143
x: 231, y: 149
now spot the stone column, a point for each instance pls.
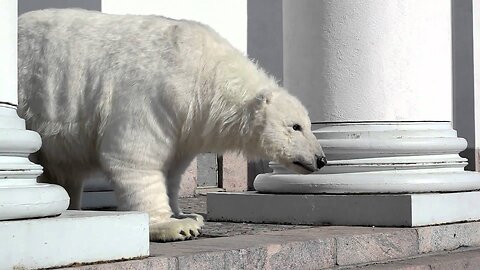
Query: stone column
x: 29, y: 241
x: 476, y: 75
x: 20, y: 195
x: 376, y: 77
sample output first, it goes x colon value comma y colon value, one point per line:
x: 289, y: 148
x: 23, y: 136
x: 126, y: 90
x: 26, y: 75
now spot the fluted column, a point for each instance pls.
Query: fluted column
x: 20, y: 195
x: 376, y: 77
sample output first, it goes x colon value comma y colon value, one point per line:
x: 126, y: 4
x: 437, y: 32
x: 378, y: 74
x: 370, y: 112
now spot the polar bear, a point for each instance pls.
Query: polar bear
x: 138, y: 97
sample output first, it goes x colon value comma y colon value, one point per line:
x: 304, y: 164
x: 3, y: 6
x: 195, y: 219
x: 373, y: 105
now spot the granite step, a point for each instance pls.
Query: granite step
x: 310, y: 248
x: 463, y: 258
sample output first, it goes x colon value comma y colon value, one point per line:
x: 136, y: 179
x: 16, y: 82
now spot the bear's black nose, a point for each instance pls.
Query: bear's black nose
x: 321, y: 162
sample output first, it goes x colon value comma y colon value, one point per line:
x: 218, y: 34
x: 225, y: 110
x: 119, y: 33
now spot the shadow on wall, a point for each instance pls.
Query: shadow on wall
x: 265, y: 45
x: 463, y: 77
x: 30, y: 5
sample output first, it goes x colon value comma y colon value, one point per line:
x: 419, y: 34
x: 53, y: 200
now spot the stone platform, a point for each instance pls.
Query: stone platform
x: 396, y: 210
x: 226, y: 245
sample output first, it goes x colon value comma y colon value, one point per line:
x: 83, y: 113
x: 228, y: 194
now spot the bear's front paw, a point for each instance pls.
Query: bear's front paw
x: 174, y: 229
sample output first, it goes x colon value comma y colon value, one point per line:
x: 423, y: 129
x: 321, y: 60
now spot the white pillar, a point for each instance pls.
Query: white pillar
x: 476, y: 76
x: 35, y: 243
x: 20, y: 195
x: 376, y: 77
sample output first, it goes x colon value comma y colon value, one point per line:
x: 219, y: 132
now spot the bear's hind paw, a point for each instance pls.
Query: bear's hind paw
x: 175, y: 229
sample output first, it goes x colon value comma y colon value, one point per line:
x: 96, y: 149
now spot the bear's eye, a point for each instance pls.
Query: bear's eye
x: 297, y: 127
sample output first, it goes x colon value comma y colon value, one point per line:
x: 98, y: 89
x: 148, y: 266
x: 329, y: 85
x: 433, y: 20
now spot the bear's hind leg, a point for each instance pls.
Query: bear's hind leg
x: 173, y: 188
x: 145, y: 190
x: 72, y: 182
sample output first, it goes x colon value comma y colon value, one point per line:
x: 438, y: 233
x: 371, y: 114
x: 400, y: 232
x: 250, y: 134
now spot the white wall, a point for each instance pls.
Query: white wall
x: 228, y: 18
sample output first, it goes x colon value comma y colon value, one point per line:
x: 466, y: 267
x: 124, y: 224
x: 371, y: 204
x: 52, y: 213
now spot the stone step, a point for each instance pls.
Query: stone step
x: 309, y: 248
x: 463, y: 258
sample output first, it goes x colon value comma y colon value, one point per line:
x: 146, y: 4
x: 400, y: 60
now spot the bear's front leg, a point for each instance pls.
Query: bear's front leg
x: 145, y: 190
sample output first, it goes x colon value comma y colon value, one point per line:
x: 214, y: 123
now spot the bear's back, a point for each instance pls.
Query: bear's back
x: 75, y: 63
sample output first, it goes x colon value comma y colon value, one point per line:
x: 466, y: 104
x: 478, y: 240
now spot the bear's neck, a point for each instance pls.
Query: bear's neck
x: 220, y: 118
x: 227, y: 122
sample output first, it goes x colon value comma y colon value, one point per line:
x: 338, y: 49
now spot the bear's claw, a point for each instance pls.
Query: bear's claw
x: 174, y: 229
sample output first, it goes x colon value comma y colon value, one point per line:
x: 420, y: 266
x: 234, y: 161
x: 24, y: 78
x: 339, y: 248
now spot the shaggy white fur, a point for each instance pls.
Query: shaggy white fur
x: 138, y: 97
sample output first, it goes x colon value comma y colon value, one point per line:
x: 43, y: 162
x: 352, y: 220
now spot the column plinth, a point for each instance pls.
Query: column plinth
x: 376, y: 78
x: 383, y: 157
x: 20, y: 194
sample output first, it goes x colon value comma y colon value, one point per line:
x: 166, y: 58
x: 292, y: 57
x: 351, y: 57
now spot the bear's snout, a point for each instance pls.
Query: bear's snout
x: 321, y: 161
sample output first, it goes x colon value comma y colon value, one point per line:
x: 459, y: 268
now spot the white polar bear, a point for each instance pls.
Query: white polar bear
x: 138, y: 97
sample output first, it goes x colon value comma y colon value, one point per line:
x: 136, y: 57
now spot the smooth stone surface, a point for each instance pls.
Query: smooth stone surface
x: 73, y: 237
x: 369, y: 182
x: 380, y: 157
x: 354, y: 209
x: 32, y: 200
x: 346, y: 62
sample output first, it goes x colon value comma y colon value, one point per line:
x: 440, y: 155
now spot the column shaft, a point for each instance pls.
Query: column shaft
x: 376, y: 77
x: 20, y: 195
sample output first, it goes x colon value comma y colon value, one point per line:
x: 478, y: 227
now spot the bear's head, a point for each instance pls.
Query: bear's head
x: 284, y: 132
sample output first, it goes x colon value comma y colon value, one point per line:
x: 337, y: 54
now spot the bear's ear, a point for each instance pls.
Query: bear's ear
x: 264, y: 97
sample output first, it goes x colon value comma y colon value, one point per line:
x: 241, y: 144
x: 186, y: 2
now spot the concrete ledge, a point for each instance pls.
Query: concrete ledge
x: 312, y: 248
x: 404, y: 210
x: 73, y: 237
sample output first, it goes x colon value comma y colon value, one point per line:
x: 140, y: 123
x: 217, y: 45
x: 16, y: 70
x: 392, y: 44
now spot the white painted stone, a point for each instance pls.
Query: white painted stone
x: 352, y: 209
x: 20, y: 195
x: 381, y: 158
x: 368, y: 72
x: 369, y: 60
x: 73, y: 237
x: 45, y: 241
x: 376, y: 77
x: 8, y: 51
x: 476, y: 75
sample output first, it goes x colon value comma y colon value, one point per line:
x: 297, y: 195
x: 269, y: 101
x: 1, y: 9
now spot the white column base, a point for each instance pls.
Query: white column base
x: 378, y: 174
x: 31, y: 201
x: 20, y: 194
x: 397, y: 157
x: 73, y: 237
x: 395, y: 210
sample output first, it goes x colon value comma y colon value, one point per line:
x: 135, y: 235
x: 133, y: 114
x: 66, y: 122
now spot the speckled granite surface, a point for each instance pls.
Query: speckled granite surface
x: 221, y: 229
